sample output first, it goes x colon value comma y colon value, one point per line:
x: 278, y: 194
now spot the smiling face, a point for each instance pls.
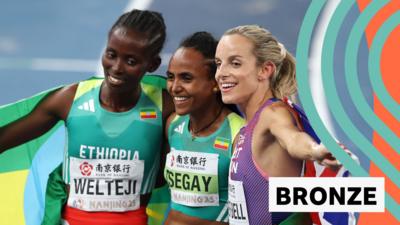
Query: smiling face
x: 126, y: 59
x: 189, y: 81
x: 237, y: 70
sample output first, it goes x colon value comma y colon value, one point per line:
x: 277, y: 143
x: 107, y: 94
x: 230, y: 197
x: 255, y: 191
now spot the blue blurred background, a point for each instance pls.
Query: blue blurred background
x: 50, y: 42
x: 47, y: 43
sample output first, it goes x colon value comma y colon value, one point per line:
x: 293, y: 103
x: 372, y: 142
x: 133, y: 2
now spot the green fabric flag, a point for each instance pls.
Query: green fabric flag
x: 29, y: 170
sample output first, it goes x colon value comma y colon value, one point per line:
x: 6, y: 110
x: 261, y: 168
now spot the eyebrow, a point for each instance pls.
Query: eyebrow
x: 184, y: 73
x: 231, y: 57
x: 235, y: 56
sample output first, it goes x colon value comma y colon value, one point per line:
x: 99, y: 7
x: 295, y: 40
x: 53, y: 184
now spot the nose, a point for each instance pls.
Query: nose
x: 174, y: 86
x: 117, y: 66
x: 220, y: 72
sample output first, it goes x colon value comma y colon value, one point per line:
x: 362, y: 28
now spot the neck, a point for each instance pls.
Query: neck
x: 116, y: 100
x: 256, y: 100
x: 207, y: 120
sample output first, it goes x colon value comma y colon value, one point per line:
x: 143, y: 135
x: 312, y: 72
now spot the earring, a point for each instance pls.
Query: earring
x: 215, y: 89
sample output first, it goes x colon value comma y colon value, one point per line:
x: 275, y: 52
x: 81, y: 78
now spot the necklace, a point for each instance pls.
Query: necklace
x: 194, y: 133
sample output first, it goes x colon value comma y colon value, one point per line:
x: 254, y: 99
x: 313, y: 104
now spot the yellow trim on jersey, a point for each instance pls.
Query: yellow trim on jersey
x: 154, y: 93
x: 236, y: 122
x: 86, y: 86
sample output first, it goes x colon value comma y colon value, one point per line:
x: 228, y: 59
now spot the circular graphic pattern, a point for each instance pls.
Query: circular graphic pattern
x: 335, y: 104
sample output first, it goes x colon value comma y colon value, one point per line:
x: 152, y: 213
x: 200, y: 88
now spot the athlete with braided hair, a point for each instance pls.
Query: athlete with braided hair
x: 114, y: 127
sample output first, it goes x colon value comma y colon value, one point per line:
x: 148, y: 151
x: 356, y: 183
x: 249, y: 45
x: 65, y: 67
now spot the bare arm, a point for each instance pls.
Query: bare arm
x: 53, y: 108
x: 168, y: 108
x: 299, y: 144
x: 164, y: 152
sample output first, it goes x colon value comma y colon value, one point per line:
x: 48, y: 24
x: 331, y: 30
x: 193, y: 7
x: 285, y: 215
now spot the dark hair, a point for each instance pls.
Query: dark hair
x: 144, y: 21
x: 204, y: 43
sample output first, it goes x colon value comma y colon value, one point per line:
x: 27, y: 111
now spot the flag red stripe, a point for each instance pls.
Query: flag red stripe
x: 220, y: 146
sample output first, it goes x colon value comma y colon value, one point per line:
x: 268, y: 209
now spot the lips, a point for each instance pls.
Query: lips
x: 180, y: 99
x: 115, y: 80
x: 227, y: 86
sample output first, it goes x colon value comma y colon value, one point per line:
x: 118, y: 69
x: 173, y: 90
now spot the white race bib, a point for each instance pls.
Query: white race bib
x: 193, y: 178
x: 105, y: 184
x: 237, y: 204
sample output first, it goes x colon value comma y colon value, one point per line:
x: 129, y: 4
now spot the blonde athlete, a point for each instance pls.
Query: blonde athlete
x: 255, y: 71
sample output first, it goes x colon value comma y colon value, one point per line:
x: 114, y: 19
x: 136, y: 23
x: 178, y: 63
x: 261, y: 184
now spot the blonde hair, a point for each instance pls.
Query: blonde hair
x: 267, y: 48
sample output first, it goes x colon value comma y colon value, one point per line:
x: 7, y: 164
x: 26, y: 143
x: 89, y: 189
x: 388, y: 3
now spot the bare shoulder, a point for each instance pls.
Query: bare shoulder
x: 59, y: 102
x: 277, y: 113
x: 66, y: 92
x: 170, y: 118
x: 167, y: 104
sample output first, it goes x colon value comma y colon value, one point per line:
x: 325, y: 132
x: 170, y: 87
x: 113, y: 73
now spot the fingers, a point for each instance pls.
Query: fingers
x: 317, y: 152
x: 325, y: 158
x: 332, y: 164
x: 320, y: 153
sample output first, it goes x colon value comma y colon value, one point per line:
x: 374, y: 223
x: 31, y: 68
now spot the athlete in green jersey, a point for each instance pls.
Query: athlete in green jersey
x: 114, y: 127
x: 117, y: 158
x: 200, y: 136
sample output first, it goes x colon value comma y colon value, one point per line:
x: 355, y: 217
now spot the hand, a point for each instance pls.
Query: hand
x: 323, y: 157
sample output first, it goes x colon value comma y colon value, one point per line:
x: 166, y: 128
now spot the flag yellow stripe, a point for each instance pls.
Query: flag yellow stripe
x: 148, y: 113
x: 12, y: 195
x: 221, y: 143
x: 154, y: 214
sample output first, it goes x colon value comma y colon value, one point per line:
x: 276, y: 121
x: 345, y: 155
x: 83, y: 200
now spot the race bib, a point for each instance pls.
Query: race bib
x: 192, y: 178
x: 237, y: 204
x: 105, y: 184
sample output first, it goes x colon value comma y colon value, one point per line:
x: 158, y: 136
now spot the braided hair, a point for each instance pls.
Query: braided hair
x: 148, y: 22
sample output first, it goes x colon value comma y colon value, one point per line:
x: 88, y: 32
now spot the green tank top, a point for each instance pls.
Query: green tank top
x: 197, y: 170
x: 111, y: 158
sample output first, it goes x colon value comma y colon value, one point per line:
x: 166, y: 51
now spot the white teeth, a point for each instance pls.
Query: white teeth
x: 178, y: 98
x: 114, y: 80
x: 228, y: 85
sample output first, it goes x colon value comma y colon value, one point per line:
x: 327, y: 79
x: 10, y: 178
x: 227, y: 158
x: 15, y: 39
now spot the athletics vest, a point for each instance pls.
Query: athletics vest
x: 196, y: 170
x: 111, y: 158
x: 248, y: 188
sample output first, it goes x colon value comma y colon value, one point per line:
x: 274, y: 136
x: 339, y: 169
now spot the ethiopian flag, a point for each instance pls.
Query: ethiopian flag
x: 25, y: 170
x: 221, y: 143
x: 148, y: 113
